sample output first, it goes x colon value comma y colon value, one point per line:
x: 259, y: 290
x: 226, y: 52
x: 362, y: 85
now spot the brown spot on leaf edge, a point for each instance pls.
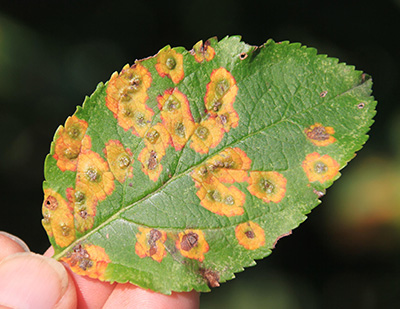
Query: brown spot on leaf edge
x: 211, y: 276
x: 51, y: 202
x: 283, y: 235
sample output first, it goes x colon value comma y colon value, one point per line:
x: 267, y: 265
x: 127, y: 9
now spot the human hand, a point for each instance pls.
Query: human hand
x: 29, y: 280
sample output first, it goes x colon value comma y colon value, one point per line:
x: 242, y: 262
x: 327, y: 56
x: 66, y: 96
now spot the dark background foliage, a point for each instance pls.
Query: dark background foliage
x: 53, y: 53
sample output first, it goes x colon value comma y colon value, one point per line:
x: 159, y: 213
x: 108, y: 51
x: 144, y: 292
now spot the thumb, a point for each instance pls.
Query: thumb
x: 29, y: 280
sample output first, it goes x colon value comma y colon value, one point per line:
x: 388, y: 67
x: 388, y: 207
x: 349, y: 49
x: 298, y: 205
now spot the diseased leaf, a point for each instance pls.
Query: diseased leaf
x: 189, y: 165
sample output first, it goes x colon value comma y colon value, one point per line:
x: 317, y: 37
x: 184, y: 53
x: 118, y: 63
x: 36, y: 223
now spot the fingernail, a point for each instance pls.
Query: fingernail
x: 29, y: 280
x: 10, y: 244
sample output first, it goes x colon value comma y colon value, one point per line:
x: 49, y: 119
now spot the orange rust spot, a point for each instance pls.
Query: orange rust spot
x: 93, y: 173
x: 203, y: 52
x: 58, y: 219
x: 84, y: 207
x: 88, y: 260
x: 192, y: 244
x: 176, y: 116
x: 129, y: 87
x: 208, y: 134
x: 158, y: 139
x: 136, y: 117
x: 151, y: 165
x: 320, y: 167
x: 229, y: 166
x: 220, y: 96
x: 150, y: 242
x: 68, y: 143
x: 320, y: 135
x: 119, y: 159
x: 170, y: 63
x: 268, y: 186
x: 228, y: 118
x: 219, y: 199
x: 250, y: 235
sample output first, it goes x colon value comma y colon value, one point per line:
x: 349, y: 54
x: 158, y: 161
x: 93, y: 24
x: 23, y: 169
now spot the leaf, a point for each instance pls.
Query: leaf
x: 189, y: 165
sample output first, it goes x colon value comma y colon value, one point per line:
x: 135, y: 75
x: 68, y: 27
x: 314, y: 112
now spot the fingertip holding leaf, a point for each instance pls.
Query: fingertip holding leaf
x: 186, y: 166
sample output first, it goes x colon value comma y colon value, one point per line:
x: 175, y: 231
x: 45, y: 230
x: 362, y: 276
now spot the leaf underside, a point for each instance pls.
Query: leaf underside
x: 187, y: 166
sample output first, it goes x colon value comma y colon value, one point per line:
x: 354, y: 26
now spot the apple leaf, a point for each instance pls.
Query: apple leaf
x: 187, y: 166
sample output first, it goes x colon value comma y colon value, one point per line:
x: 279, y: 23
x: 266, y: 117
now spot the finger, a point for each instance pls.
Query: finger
x: 10, y: 244
x: 29, y: 280
x: 130, y: 296
x: 91, y: 293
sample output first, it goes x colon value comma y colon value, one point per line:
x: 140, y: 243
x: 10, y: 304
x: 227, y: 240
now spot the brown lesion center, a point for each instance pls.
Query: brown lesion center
x: 51, y: 202
x: 81, y: 257
x: 154, y: 235
x: 318, y: 133
x: 153, y: 161
x: 267, y: 186
x: 189, y: 241
x: 250, y: 234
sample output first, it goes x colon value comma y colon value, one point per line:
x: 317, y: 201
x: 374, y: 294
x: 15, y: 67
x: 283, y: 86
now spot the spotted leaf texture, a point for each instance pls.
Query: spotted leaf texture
x: 187, y: 166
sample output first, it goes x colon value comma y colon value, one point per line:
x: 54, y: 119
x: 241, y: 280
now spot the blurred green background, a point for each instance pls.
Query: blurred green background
x: 53, y: 53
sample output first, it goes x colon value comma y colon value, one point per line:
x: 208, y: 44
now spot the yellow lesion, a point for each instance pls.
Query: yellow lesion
x: 120, y: 160
x: 320, y: 135
x: 227, y: 117
x: 220, y: 96
x: 158, y: 139
x: 207, y: 134
x: 68, y: 143
x: 219, y: 199
x: 84, y: 207
x: 170, y: 63
x: 88, y: 260
x: 150, y: 243
x: 151, y: 165
x: 128, y: 87
x: 268, y: 186
x: 203, y: 51
x: 320, y: 167
x: 137, y: 117
x: 229, y: 166
x: 94, y: 174
x: 58, y: 218
x: 126, y: 98
x: 176, y: 117
x: 250, y: 235
x: 192, y: 244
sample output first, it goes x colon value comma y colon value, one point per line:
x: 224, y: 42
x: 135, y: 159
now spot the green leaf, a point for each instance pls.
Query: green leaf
x: 189, y: 165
